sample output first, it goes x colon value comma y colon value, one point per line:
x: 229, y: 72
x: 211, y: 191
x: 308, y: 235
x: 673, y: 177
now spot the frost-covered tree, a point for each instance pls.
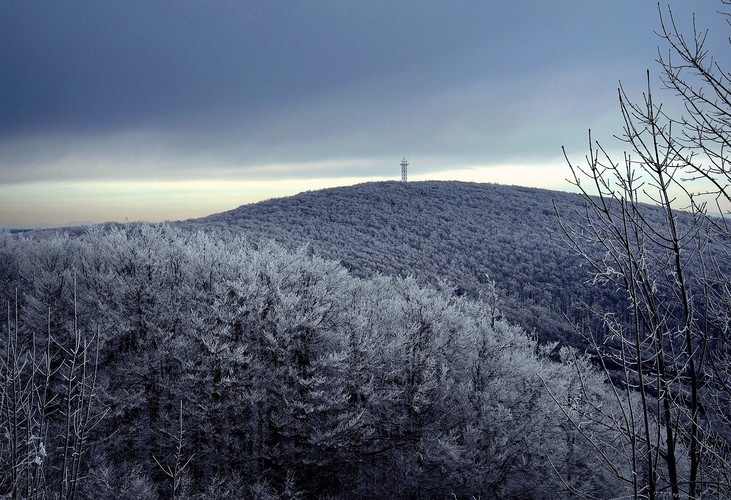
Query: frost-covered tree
x: 48, y: 405
x: 672, y: 356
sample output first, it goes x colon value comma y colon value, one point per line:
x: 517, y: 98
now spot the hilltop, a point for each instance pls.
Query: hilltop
x: 443, y: 233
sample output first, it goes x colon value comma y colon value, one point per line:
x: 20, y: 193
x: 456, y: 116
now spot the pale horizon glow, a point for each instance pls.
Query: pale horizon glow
x: 88, y: 202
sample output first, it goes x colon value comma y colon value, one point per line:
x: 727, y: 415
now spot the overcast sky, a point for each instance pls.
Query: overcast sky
x: 160, y: 110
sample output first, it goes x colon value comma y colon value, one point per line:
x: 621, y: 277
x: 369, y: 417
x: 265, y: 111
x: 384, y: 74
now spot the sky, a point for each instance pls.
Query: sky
x: 165, y: 110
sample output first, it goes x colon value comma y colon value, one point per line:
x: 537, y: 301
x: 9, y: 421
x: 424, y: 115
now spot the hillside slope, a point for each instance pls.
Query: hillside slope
x: 452, y: 232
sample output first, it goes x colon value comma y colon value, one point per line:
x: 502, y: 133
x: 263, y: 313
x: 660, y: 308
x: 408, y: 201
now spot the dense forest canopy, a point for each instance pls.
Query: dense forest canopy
x: 149, y: 361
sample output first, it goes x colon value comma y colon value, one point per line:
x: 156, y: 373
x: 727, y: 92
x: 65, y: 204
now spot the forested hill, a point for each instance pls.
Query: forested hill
x: 148, y: 361
x: 454, y: 232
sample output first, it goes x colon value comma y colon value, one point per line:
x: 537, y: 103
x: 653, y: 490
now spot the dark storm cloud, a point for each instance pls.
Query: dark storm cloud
x: 111, y: 64
x: 90, y: 64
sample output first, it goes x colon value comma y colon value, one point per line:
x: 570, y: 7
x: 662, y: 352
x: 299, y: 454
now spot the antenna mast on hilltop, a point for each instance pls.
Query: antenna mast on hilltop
x: 404, y: 164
